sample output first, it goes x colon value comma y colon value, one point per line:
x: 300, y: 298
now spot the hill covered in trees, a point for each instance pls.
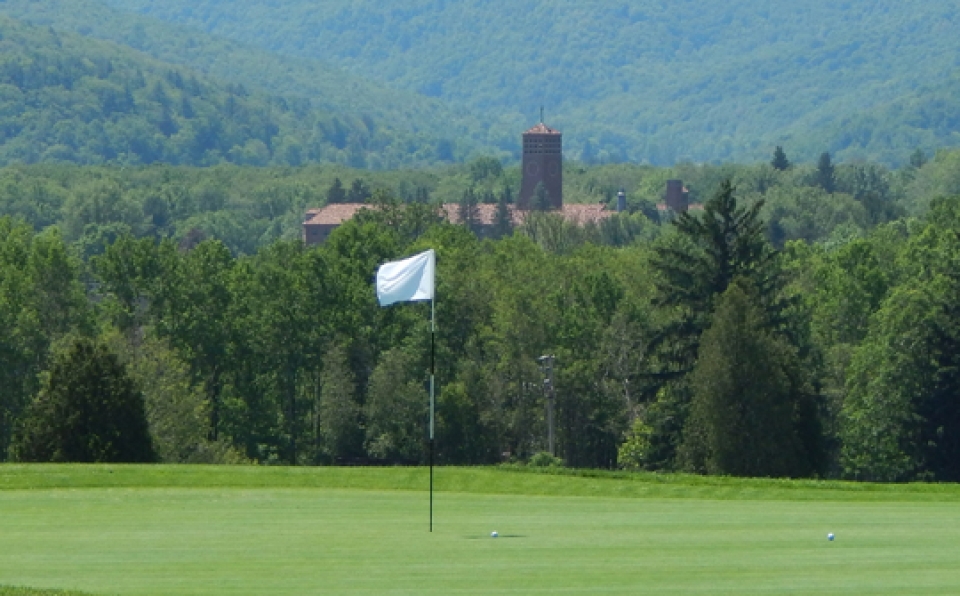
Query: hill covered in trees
x: 640, y: 80
x: 625, y: 82
x: 452, y: 134
x: 70, y: 98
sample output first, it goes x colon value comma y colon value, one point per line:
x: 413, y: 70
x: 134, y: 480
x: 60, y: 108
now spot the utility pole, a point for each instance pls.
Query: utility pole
x: 546, y: 367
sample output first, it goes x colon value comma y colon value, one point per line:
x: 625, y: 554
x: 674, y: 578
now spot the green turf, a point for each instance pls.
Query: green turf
x: 9, y: 591
x: 500, y: 480
x: 194, y: 530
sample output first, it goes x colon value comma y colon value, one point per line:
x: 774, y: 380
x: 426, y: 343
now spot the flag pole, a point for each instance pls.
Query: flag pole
x: 433, y: 351
x: 413, y: 280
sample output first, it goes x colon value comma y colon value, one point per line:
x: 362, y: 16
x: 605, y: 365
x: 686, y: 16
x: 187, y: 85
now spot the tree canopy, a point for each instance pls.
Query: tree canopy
x: 68, y: 98
x: 88, y: 410
x: 679, y: 81
x: 777, y: 330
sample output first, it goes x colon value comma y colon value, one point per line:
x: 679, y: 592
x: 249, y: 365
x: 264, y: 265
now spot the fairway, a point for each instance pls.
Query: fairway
x: 286, y: 539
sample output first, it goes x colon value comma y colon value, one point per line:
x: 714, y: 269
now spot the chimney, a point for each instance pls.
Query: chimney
x: 621, y: 201
x: 676, y: 198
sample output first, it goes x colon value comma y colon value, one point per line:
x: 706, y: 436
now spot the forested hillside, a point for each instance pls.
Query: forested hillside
x: 157, y: 159
x: 430, y: 128
x: 926, y: 117
x: 641, y: 80
x: 71, y: 99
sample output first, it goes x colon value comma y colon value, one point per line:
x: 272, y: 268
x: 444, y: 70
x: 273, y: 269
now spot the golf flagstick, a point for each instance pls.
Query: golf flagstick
x: 433, y: 358
x: 412, y: 280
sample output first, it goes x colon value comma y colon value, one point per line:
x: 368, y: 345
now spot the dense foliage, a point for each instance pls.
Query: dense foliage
x: 65, y: 98
x: 781, y: 330
x: 637, y: 79
x: 88, y: 410
x: 416, y: 128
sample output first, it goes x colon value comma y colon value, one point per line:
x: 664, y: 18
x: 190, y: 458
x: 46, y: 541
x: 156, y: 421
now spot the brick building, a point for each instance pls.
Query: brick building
x: 542, y: 163
x: 319, y: 223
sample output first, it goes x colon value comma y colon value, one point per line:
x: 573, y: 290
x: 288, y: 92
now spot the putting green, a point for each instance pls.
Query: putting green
x: 263, y: 540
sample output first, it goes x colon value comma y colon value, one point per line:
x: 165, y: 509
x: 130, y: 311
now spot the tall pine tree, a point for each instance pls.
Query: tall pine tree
x: 502, y: 218
x: 89, y: 410
x: 468, y: 211
x: 702, y: 259
x: 695, y: 266
x: 780, y: 161
x: 825, y: 173
x: 336, y: 193
x: 750, y: 408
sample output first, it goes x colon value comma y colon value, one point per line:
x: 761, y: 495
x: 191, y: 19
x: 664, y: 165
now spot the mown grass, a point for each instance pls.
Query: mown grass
x: 507, y: 480
x: 10, y: 591
x: 144, y: 530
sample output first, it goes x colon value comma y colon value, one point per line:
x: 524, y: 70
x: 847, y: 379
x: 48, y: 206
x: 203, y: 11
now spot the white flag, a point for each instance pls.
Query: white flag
x: 408, y: 280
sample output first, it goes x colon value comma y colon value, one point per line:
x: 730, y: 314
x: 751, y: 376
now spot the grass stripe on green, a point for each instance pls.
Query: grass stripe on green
x: 478, y: 480
x: 9, y: 591
x: 136, y: 541
x: 138, y: 530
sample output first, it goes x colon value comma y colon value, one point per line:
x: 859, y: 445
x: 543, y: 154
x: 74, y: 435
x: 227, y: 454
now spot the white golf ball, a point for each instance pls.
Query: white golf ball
x: 830, y: 537
x: 494, y: 534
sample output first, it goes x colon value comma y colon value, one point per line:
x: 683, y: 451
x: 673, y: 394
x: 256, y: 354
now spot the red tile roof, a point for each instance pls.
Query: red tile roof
x: 542, y: 129
x: 588, y: 213
x: 339, y: 213
x: 333, y: 214
x: 486, y: 213
x: 690, y: 207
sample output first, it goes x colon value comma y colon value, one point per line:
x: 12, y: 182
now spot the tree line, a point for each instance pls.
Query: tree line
x: 247, y: 208
x: 709, y: 341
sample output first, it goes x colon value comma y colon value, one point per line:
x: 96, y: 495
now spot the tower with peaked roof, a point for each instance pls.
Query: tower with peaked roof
x: 542, y: 163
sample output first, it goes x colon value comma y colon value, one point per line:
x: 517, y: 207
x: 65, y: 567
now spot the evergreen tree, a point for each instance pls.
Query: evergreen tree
x: 918, y: 159
x: 88, y: 410
x: 780, y: 161
x: 695, y: 266
x: 700, y: 262
x: 502, y: 218
x: 870, y: 185
x: 825, y: 173
x: 421, y: 196
x: 336, y: 193
x: 748, y: 399
x: 359, y: 193
x: 467, y: 210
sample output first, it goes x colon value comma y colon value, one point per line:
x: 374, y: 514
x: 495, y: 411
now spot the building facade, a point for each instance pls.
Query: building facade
x: 677, y: 196
x: 542, y: 163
